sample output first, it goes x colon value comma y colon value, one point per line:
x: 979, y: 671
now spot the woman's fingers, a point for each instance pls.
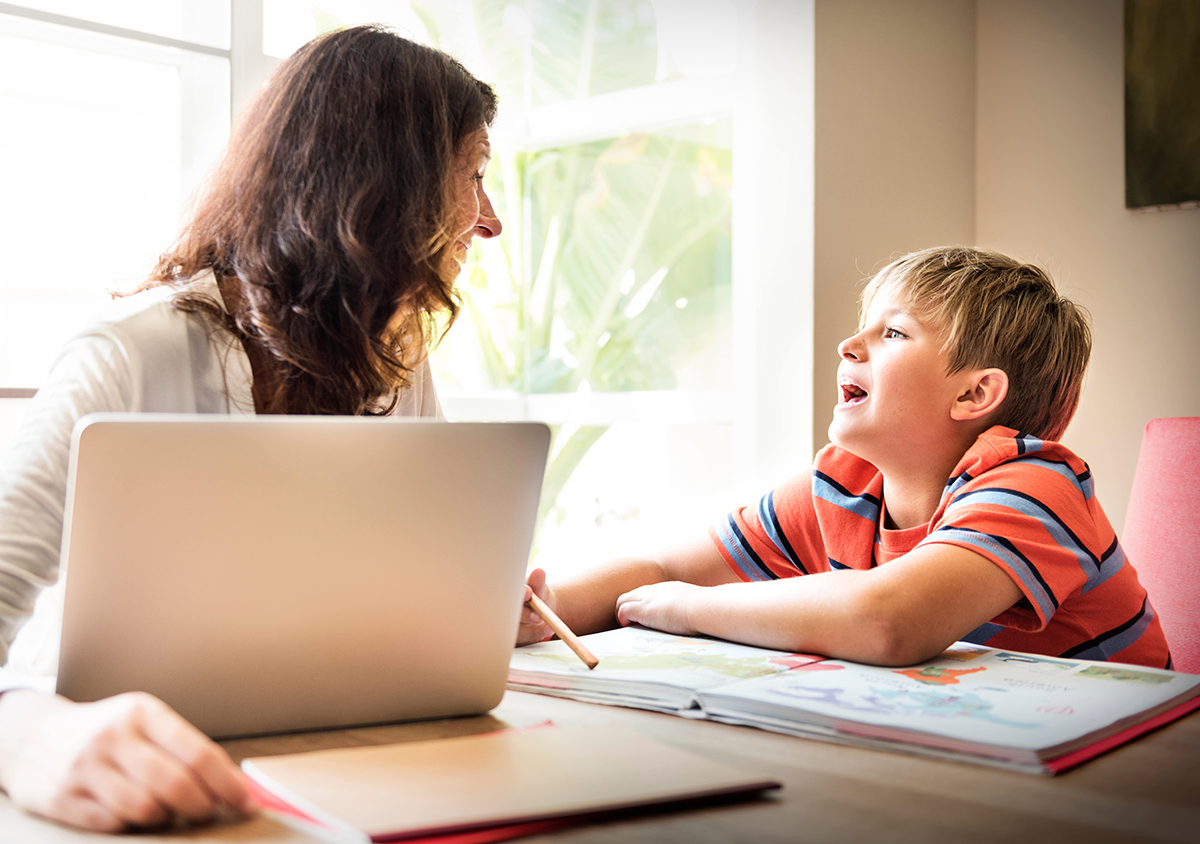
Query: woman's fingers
x: 163, y: 777
x: 199, y: 771
x: 129, y: 801
x: 128, y: 760
x: 83, y: 810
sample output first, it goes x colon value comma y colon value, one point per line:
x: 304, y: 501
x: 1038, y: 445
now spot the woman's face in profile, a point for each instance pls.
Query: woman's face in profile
x: 473, y: 214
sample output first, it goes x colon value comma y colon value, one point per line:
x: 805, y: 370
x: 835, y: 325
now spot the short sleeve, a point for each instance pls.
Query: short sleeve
x: 1032, y: 518
x: 773, y: 538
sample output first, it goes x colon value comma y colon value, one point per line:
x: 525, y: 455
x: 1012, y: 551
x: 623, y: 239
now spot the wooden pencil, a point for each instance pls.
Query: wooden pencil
x: 556, y: 624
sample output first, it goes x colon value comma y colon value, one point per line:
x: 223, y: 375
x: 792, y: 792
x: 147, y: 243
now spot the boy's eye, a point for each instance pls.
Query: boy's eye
x: 891, y: 333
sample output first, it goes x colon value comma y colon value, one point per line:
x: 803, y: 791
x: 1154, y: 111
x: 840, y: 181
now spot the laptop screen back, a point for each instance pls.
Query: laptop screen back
x: 270, y: 574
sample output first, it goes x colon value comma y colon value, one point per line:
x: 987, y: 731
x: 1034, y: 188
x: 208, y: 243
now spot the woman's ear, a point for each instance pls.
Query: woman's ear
x: 985, y: 392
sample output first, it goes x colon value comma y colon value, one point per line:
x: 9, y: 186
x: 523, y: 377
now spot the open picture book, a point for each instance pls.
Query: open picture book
x: 971, y: 703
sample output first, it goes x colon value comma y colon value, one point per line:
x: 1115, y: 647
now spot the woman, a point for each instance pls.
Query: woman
x: 306, y: 281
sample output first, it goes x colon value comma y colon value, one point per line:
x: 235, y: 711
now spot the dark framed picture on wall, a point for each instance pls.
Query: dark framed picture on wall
x: 1162, y: 103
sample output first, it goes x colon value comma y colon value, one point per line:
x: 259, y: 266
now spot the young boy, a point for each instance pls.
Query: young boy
x: 943, y: 510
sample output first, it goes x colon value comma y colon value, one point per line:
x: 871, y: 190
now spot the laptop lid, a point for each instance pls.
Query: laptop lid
x: 269, y: 574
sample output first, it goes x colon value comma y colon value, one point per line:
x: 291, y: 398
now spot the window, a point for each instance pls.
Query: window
x: 615, y: 307
x: 109, y: 129
x: 605, y: 309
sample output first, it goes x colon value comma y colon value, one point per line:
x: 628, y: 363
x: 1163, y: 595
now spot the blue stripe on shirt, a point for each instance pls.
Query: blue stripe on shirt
x: 770, y: 523
x: 827, y: 489
x: 1109, y: 644
x: 1083, y: 483
x: 1035, y: 587
x: 1096, y: 570
x: 1027, y: 443
x: 981, y: 634
x: 743, y: 555
x: 955, y: 484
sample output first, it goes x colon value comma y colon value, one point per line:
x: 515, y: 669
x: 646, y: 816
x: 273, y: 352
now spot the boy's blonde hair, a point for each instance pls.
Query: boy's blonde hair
x: 998, y: 312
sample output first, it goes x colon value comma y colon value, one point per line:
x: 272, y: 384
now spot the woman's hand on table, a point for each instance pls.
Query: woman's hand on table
x: 125, y: 761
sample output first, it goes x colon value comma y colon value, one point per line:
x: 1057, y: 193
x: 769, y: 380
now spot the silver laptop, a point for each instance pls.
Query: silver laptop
x: 270, y: 574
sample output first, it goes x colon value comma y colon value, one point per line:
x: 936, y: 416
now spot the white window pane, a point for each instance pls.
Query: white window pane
x: 611, y: 284
x: 198, y: 21
x: 639, y: 486
x: 103, y: 142
x: 613, y: 274
x: 289, y: 24
x: 542, y: 52
x: 538, y: 52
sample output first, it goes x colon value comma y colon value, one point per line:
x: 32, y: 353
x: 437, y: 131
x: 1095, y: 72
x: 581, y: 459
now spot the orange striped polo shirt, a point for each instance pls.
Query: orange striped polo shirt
x: 1028, y: 505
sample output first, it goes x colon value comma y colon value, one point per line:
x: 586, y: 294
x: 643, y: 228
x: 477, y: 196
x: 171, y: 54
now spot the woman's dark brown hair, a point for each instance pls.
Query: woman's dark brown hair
x: 328, y: 219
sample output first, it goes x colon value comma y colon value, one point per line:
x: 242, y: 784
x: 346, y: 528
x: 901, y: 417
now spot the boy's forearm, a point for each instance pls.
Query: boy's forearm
x: 830, y: 614
x: 586, y: 600
x: 898, y: 614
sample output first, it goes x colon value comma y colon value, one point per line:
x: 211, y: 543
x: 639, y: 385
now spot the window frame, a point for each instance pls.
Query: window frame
x: 770, y: 406
x: 247, y: 65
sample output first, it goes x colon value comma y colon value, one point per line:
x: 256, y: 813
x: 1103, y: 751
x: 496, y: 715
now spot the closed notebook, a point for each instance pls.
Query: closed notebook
x: 429, y: 788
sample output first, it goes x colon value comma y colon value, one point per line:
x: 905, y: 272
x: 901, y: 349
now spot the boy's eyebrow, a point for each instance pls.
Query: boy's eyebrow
x: 895, y: 312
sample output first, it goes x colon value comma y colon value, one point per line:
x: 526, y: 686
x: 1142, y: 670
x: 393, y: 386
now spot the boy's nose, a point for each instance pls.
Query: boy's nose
x: 847, y: 348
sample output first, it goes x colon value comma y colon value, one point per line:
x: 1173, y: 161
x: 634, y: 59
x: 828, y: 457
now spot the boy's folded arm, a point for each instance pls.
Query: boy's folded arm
x: 586, y: 599
x: 904, y: 612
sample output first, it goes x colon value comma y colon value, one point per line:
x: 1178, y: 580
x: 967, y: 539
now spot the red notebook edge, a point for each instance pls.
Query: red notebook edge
x: 1083, y: 754
x: 485, y: 835
x: 516, y: 829
x: 275, y: 805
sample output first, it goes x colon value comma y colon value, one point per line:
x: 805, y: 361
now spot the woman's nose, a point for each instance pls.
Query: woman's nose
x: 488, y: 224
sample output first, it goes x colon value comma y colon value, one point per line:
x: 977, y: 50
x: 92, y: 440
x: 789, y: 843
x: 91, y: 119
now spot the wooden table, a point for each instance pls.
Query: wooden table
x: 1146, y: 791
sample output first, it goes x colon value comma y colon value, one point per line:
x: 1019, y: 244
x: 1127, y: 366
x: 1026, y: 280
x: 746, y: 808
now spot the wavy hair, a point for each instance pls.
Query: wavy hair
x: 330, y: 216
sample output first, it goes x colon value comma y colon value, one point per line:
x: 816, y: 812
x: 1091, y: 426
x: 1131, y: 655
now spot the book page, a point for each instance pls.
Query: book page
x: 634, y: 659
x: 970, y: 694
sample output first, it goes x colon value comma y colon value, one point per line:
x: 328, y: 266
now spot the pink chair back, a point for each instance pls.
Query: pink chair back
x: 1162, y: 532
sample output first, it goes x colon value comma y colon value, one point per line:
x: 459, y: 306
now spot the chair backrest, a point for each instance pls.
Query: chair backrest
x: 1162, y: 532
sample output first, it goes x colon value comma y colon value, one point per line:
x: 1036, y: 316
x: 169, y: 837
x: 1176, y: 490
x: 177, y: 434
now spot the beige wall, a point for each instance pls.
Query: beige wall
x: 1050, y: 188
x: 1001, y: 123
x: 895, y: 153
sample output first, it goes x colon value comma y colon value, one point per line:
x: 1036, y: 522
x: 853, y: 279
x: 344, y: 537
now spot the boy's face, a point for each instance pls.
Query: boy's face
x: 894, y: 395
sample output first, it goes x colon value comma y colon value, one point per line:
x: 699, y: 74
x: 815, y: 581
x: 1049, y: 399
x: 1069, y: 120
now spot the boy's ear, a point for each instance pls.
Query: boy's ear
x: 986, y: 389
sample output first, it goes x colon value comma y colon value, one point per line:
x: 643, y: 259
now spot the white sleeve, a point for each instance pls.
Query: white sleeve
x: 92, y: 374
x: 430, y: 406
x: 420, y: 397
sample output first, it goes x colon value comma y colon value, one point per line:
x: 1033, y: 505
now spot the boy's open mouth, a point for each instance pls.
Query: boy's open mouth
x: 851, y: 393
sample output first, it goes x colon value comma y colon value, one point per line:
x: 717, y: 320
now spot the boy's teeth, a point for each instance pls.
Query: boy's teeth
x: 851, y: 392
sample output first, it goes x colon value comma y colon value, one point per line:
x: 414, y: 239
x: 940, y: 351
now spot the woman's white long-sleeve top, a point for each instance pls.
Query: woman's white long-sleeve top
x: 146, y: 356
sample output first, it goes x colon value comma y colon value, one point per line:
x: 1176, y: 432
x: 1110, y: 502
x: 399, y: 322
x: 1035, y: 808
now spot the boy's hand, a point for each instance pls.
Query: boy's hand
x: 128, y: 760
x: 533, y: 628
x: 663, y: 606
